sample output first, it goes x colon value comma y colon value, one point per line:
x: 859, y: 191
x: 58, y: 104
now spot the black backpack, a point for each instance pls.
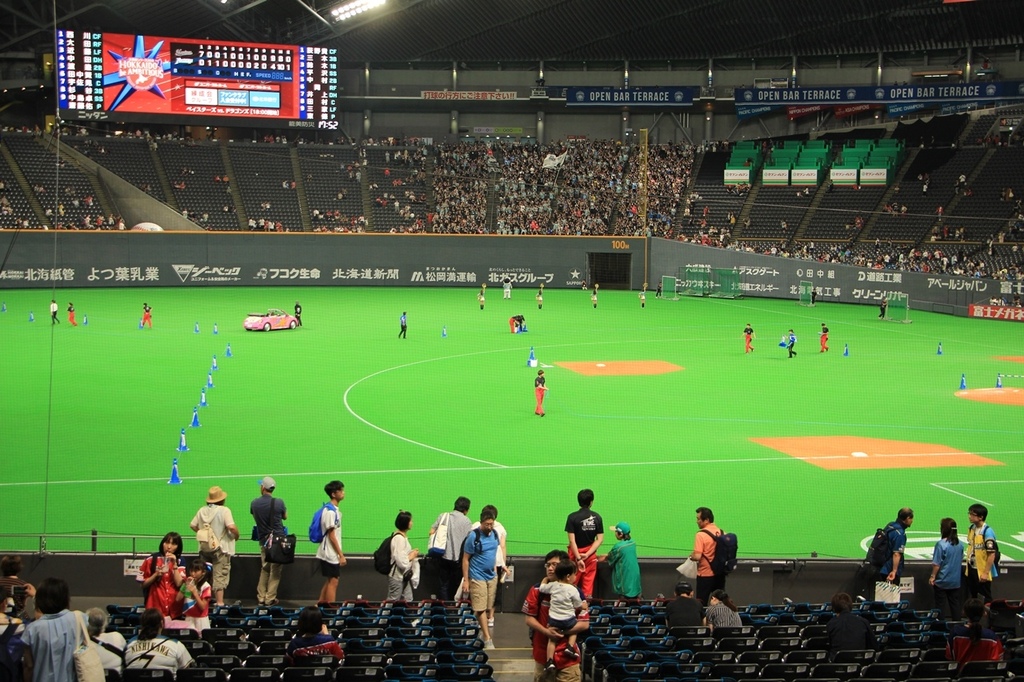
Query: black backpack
x: 382, y: 556
x: 726, y: 548
x: 880, y: 549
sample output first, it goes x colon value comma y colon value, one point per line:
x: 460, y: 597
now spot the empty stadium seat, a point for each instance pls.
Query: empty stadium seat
x: 255, y: 675
x: 147, y: 675
x: 892, y: 671
x: 983, y: 669
x: 199, y: 674
x: 307, y: 675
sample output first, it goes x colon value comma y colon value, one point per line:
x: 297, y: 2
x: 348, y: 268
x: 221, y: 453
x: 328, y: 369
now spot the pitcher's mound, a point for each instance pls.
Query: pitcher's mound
x: 610, y: 368
x: 996, y: 396
x: 853, y: 452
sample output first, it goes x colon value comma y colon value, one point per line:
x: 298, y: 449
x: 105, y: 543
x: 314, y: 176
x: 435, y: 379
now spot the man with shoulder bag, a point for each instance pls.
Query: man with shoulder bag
x: 269, y: 513
x: 216, y: 533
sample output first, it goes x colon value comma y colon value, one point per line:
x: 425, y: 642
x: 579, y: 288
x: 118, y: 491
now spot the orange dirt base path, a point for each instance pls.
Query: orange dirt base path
x: 1010, y: 358
x: 996, y: 396
x: 841, y: 453
x: 611, y: 368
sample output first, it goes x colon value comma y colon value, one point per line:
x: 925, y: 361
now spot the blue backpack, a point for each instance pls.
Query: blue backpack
x: 726, y: 547
x: 316, y: 532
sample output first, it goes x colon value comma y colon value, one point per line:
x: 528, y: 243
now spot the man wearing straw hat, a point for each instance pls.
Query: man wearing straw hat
x: 216, y: 533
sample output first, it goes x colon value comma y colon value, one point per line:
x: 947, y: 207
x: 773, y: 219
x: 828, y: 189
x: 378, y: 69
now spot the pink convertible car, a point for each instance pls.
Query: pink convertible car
x: 274, y: 318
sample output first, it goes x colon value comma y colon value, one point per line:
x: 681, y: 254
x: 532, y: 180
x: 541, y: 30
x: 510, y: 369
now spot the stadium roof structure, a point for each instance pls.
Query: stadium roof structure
x: 550, y: 30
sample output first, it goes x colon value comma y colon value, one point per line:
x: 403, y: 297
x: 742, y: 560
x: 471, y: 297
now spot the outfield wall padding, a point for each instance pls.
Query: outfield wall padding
x: 91, y: 259
x: 105, y: 259
x: 773, y: 277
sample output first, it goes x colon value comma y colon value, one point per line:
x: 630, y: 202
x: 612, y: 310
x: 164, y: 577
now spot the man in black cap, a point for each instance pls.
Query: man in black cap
x: 684, y: 610
x: 269, y: 514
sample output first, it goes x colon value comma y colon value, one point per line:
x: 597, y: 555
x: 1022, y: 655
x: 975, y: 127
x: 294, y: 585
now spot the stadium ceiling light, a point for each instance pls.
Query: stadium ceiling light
x: 351, y: 9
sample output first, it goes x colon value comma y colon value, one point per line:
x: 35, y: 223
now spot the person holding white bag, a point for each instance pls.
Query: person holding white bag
x: 454, y: 526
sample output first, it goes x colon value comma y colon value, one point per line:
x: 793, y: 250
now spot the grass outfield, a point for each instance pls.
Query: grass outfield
x: 796, y: 456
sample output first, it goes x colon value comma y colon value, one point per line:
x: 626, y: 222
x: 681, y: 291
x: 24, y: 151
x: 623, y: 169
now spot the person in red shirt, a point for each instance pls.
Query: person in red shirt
x: 71, y: 314
x: 312, y: 638
x: 824, y: 338
x: 539, y: 389
x: 147, y: 315
x: 535, y: 608
x: 162, y: 575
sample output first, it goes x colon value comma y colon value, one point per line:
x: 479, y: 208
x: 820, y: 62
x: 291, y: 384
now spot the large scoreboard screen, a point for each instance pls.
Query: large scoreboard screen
x: 145, y: 78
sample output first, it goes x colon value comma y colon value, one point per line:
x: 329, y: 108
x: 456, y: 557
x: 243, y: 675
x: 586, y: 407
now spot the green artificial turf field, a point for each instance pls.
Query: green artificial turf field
x: 92, y: 415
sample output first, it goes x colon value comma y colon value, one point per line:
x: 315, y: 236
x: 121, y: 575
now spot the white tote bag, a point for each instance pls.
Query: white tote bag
x: 439, y: 540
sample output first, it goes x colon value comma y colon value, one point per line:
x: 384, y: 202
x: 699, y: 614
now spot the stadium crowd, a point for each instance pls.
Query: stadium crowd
x: 580, y: 187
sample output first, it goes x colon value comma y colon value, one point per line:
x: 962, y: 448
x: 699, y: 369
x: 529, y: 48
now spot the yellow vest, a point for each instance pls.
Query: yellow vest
x: 976, y: 547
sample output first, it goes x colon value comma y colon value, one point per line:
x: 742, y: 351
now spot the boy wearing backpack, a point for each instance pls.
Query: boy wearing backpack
x: 329, y: 551
x: 982, y: 554
x: 704, y: 547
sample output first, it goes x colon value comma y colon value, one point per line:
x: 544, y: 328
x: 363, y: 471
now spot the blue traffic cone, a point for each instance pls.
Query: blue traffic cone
x: 532, y: 360
x: 999, y: 381
x: 140, y: 323
x: 31, y: 317
x: 963, y: 382
x: 85, y: 320
x: 215, y: 332
x: 196, y: 330
x: 228, y: 352
x: 846, y: 350
x: 444, y: 332
x: 939, y: 352
x: 209, y: 380
x: 195, y: 418
x: 522, y: 328
x: 182, y: 446
x: 3, y: 307
x: 175, y: 478
x: 202, y: 399
x: 214, y: 367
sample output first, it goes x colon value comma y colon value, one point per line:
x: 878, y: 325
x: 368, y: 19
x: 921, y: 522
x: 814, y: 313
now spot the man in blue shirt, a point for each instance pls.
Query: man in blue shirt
x: 478, y: 576
x: 897, y: 532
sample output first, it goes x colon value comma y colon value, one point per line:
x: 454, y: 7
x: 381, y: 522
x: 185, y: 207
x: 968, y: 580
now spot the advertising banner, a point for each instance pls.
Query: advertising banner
x: 90, y: 259
x: 899, y: 99
x: 629, y: 97
x: 775, y: 176
x: 468, y: 95
x: 997, y: 312
x: 737, y: 176
x: 793, y: 113
x: 873, y: 176
x: 772, y: 277
x: 804, y: 176
x: 844, y: 176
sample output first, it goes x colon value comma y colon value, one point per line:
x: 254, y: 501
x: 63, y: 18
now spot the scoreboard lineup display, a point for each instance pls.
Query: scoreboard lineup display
x: 137, y: 78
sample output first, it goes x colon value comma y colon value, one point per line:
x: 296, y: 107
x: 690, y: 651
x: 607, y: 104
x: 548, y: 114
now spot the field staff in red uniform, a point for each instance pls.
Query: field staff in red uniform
x: 748, y: 336
x: 824, y: 338
x: 147, y: 315
x: 71, y: 314
x: 539, y: 389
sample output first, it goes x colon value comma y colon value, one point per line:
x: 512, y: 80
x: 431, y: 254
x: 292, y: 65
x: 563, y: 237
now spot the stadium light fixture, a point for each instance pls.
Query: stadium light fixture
x: 351, y: 9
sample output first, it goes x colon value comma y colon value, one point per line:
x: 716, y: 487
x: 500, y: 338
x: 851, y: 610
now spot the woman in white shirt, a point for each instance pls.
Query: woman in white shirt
x: 404, y: 573
x: 110, y: 645
x: 152, y: 650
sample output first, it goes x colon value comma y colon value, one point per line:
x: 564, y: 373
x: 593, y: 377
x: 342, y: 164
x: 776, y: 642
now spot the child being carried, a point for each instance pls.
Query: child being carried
x: 566, y: 602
